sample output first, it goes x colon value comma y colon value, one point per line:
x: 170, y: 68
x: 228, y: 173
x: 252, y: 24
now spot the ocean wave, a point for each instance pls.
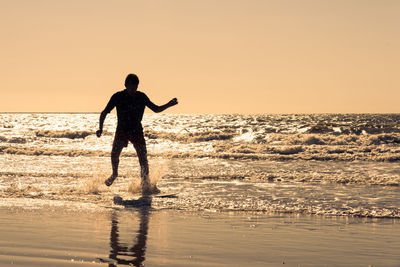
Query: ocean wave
x: 237, y: 151
x: 281, y: 177
x: 15, y: 140
x: 189, y: 137
x: 6, y: 126
x: 330, y: 139
x: 195, y: 200
x: 278, y: 138
x: 74, y: 175
x: 38, y: 151
x: 292, y: 148
x: 305, y: 139
x: 63, y: 134
x: 353, y: 126
x: 205, y: 203
x: 40, y: 174
x: 28, y: 191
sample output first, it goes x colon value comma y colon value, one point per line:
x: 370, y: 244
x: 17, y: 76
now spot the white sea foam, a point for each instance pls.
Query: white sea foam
x: 248, y: 136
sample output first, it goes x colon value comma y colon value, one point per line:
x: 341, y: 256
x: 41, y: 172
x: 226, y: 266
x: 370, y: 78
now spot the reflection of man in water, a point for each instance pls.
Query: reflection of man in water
x: 120, y: 252
x: 130, y: 105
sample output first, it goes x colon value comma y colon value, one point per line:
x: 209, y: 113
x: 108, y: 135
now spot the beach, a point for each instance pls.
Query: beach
x: 250, y: 190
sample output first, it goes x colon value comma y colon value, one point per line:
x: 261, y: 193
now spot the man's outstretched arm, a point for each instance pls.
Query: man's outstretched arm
x: 158, y: 109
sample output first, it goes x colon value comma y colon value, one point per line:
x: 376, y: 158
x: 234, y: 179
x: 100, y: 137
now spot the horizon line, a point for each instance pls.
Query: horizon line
x: 195, y: 113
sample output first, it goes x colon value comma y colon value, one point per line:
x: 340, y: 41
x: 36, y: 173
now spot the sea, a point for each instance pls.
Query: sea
x: 318, y: 164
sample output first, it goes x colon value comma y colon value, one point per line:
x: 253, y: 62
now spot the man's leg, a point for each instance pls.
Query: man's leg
x: 140, y: 146
x: 118, y: 145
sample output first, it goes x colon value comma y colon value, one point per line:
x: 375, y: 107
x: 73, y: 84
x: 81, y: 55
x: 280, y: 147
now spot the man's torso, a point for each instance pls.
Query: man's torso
x: 130, y: 110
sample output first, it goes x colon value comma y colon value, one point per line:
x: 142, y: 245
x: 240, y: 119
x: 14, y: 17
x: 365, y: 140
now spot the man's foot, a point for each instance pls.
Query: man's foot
x: 151, y: 190
x: 155, y: 190
x: 118, y: 200
x: 110, y: 180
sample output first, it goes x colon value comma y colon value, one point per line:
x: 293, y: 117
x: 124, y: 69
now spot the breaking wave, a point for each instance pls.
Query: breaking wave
x: 278, y: 138
x: 361, y: 127
x: 238, y: 151
x: 189, y: 137
x: 38, y: 151
x: 299, y: 177
x: 63, y: 134
x: 15, y: 140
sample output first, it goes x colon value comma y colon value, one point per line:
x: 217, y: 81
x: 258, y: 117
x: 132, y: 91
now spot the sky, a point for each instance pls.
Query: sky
x: 215, y: 56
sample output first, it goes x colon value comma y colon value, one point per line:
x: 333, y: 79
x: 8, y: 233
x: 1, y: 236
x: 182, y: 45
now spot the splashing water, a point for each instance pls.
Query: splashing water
x: 94, y: 182
x: 155, y: 174
x: 92, y: 185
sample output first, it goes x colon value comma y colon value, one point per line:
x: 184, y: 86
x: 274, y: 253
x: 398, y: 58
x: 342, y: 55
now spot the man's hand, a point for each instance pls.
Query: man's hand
x: 173, y: 102
x: 99, y: 132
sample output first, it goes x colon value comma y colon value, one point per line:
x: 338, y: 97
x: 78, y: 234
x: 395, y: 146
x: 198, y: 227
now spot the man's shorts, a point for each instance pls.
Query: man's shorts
x: 122, y: 138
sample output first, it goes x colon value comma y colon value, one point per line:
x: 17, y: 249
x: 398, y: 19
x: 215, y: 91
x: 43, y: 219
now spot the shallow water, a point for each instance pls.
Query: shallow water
x: 203, y: 184
x: 147, y: 237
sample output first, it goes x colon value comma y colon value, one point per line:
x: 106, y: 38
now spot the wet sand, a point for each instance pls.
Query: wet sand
x: 114, y: 236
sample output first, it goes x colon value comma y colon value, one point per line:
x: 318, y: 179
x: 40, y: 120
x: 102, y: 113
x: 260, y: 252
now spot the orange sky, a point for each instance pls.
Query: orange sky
x: 215, y: 56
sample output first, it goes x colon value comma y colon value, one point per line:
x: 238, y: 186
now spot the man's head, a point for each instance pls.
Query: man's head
x: 131, y: 82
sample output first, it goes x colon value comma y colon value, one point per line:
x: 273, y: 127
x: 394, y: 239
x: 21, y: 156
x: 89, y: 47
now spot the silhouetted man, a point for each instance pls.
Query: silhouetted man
x: 130, y: 105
